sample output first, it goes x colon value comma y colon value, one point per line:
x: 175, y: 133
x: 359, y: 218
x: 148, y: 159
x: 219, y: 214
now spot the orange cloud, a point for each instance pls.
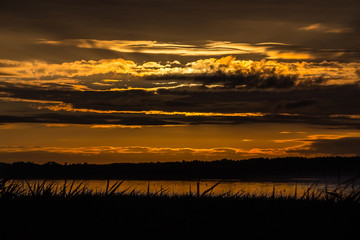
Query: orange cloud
x: 70, y: 108
x: 207, y: 49
x: 320, y: 27
x: 333, y: 72
x: 204, y: 152
x: 12, y: 99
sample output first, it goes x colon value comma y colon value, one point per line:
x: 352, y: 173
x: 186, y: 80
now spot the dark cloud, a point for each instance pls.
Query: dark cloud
x: 256, y: 80
x: 358, y: 72
x: 321, y: 100
x: 325, y: 105
x: 300, y: 103
x: 6, y: 74
x: 87, y: 119
x: 164, y: 14
x: 317, y: 37
x: 320, y: 52
x: 25, y: 22
x: 312, y: 82
x: 2, y: 65
x: 160, y: 120
x: 347, y: 145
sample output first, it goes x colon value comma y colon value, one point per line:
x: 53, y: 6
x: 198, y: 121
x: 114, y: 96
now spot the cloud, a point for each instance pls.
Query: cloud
x: 262, y: 50
x: 235, y: 80
x: 261, y: 73
x: 210, y: 48
x: 333, y: 105
x: 70, y: 108
x: 300, y: 103
x: 110, y: 154
x: 357, y: 71
x: 174, y: 24
x: 5, y: 74
x: 127, y: 65
x: 320, y: 27
x: 340, y: 146
x: 222, y: 90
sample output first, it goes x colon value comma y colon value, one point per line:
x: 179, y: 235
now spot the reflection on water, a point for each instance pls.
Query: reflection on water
x: 171, y: 187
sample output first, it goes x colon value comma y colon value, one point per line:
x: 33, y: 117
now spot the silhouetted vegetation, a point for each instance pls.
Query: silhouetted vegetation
x: 46, y: 210
x: 72, y: 211
x: 276, y: 169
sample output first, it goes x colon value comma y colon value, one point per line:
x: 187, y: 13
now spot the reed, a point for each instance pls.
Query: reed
x: 201, y: 214
x: 9, y: 189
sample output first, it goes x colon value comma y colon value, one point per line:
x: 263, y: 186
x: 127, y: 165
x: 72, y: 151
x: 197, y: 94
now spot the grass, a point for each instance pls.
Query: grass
x: 9, y: 189
x: 44, y: 210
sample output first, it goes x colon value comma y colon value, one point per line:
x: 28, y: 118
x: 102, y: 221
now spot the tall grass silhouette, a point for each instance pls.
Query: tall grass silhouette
x: 10, y: 189
x: 72, y: 210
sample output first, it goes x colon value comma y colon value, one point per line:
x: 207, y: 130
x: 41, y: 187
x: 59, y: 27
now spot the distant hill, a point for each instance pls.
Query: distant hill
x: 257, y: 169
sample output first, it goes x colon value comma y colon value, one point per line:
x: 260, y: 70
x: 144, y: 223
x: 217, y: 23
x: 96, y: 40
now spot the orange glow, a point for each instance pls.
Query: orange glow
x: 94, y: 143
x: 142, y: 81
x: 70, y: 108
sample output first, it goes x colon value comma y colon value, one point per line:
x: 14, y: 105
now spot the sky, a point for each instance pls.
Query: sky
x: 171, y: 80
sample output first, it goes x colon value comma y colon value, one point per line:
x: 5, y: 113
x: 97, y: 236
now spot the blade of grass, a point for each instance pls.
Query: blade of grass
x: 30, y: 188
x: 115, y: 187
x: 211, y: 188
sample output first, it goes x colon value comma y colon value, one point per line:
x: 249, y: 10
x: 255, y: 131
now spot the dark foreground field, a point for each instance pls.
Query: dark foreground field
x: 77, y: 213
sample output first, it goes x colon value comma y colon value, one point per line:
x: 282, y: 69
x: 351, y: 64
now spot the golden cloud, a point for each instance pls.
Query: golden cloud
x: 70, y: 108
x: 203, y: 152
x: 209, y: 48
x: 332, y: 72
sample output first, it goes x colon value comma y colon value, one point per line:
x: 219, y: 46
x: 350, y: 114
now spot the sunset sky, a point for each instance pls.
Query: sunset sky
x: 171, y: 80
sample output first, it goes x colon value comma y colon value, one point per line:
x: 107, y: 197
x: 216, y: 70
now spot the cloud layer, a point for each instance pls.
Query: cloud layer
x: 123, y: 65
x: 214, y: 90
